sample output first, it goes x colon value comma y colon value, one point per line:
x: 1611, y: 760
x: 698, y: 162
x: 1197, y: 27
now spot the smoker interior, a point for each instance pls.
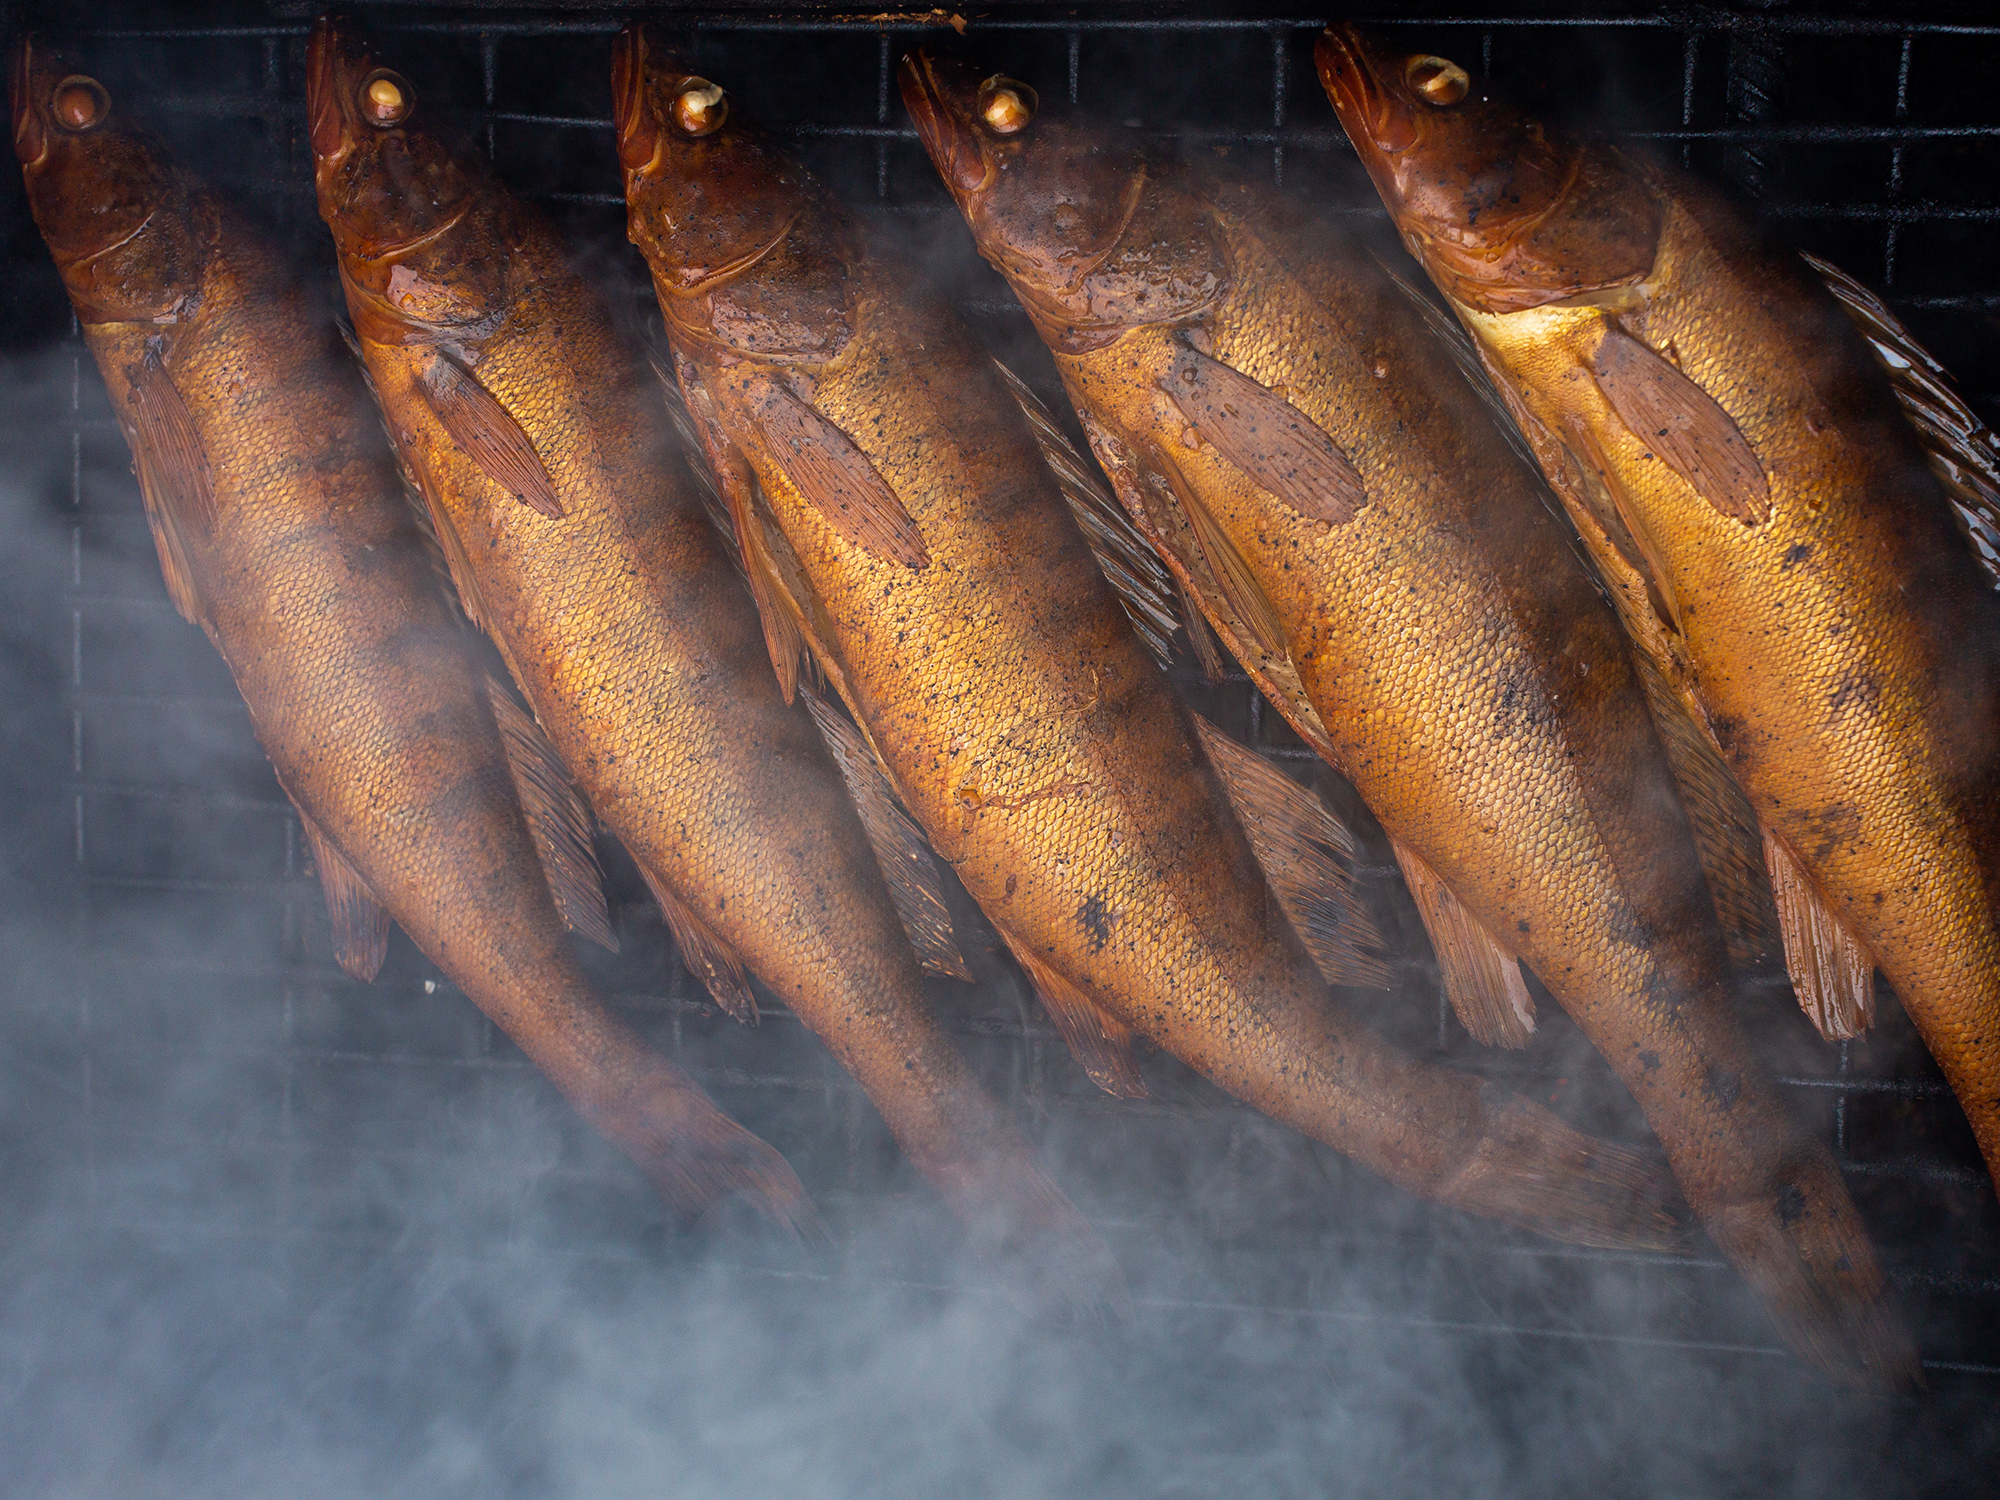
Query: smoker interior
x: 252, y: 1207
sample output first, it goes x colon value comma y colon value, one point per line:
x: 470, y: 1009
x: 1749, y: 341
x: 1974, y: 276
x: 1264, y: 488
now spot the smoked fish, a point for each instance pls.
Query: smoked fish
x: 1762, y: 514
x: 579, y: 546
x: 901, y: 526
x: 1308, y: 461
x: 428, y: 796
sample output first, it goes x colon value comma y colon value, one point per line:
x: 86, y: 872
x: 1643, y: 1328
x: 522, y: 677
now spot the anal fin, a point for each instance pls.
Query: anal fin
x: 360, y: 925
x: 705, y: 953
x: 1833, y: 976
x: 1306, y: 853
x: 557, y: 818
x: 486, y: 432
x: 900, y: 846
x: 1098, y: 1040
x: 1481, y: 979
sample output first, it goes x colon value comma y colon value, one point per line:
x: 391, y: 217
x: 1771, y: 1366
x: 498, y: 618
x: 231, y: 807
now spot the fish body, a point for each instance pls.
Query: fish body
x: 1310, y: 462
x: 284, y: 534
x: 917, y: 545
x: 1763, y: 513
x: 545, y: 457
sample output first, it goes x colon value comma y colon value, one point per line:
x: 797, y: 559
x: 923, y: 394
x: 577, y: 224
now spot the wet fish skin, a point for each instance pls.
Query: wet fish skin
x: 1804, y: 588
x: 305, y: 570
x: 628, y: 631
x: 1452, y: 658
x: 1020, y: 718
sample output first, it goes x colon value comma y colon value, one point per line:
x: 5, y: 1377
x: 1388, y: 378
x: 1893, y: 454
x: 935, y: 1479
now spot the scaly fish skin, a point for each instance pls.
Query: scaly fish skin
x: 1451, y: 657
x: 628, y: 631
x: 286, y: 538
x: 1019, y: 716
x: 1805, y: 587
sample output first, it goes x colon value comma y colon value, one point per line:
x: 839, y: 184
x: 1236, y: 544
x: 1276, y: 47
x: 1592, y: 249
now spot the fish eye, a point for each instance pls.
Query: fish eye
x: 1006, y: 105
x: 385, y: 98
x: 80, y: 104
x: 1439, y: 80
x: 699, y: 108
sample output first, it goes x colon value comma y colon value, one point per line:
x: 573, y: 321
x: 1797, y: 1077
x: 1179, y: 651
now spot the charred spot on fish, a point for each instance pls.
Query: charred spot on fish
x: 1650, y: 1061
x: 1723, y: 1085
x: 1093, y: 918
x: 385, y: 98
x: 699, y: 109
x: 1795, y: 554
x: 1013, y: 881
x: 1791, y: 1204
x: 1437, y: 81
x: 80, y: 104
x: 1006, y: 105
x: 1858, y: 688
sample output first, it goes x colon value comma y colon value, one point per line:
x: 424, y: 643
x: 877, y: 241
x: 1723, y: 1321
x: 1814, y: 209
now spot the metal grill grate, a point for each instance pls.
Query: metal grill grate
x: 199, y: 931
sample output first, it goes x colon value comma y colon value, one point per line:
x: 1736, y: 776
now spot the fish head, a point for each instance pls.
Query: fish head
x: 1047, y: 198
x: 1503, y: 214
x: 706, y: 194
x: 391, y: 187
x: 116, y: 213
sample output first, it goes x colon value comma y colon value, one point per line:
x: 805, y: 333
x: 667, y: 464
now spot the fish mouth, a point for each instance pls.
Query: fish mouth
x: 638, y: 126
x: 941, y: 93
x: 338, y: 60
x: 1352, y: 69
x: 31, y: 138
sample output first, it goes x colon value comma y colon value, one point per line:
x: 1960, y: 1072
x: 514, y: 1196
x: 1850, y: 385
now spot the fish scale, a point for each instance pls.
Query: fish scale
x: 629, y: 632
x: 1457, y: 665
x: 1020, y: 717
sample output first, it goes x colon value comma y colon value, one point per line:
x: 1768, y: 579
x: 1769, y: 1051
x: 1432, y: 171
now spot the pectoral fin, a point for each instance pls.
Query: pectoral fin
x: 1481, y: 979
x: 1684, y: 426
x: 1832, y: 974
x: 1962, y: 450
x: 707, y: 956
x: 1144, y: 586
x: 174, y: 479
x: 1307, y: 854
x: 1097, y: 1039
x: 835, y: 477
x: 488, y: 434
x: 360, y: 925
x: 1265, y: 436
x: 900, y: 846
x: 557, y: 818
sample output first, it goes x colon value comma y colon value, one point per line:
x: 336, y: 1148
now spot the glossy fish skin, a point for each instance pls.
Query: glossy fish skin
x: 628, y: 630
x: 1021, y: 719
x: 1818, y: 611
x: 1456, y: 662
x: 312, y: 582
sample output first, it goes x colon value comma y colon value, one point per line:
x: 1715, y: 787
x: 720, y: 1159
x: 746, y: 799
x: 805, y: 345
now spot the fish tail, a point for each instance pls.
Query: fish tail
x: 1044, y: 1249
x: 695, y: 1156
x: 1803, y: 1250
x: 1532, y: 1170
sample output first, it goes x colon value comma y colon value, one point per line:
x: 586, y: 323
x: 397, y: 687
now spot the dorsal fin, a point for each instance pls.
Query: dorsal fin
x: 1832, y: 974
x: 900, y: 847
x: 1162, y: 521
x: 1307, y: 854
x: 704, y: 952
x: 1143, y: 584
x: 1963, y: 451
x: 729, y: 493
x: 1098, y: 1040
x: 1684, y: 425
x: 834, y: 476
x: 1288, y: 454
x: 360, y: 925
x: 486, y: 432
x: 557, y: 818
x: 1482, y: 980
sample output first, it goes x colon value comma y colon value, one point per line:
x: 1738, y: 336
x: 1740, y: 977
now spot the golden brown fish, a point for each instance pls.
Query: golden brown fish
x: 1763, y: 514
x: 544, y: 456
x: 899, y: 521
x: 284, y: 535
x: 1276, y: 417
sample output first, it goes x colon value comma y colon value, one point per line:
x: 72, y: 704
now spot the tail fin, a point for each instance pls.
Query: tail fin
x: 1043, y: 1247
x: 1533, y: 1170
